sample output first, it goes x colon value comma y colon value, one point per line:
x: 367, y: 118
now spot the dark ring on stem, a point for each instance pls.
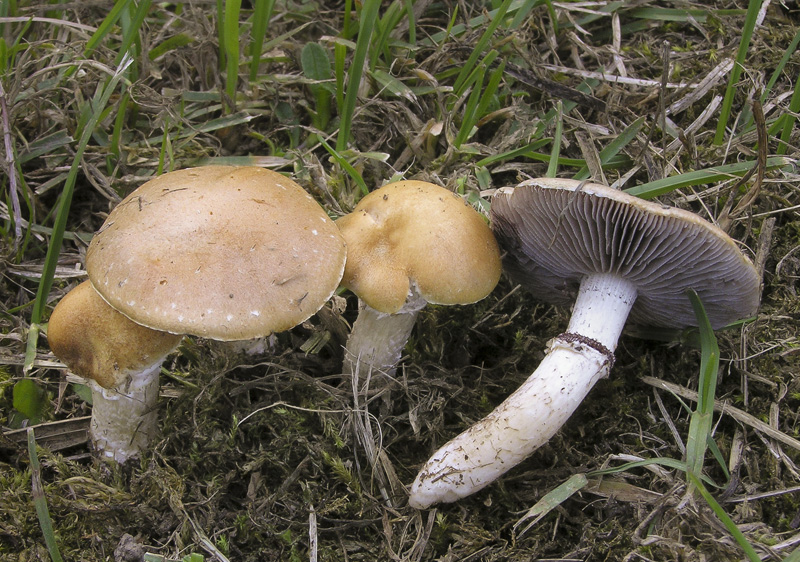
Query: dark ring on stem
x: 570, y: 337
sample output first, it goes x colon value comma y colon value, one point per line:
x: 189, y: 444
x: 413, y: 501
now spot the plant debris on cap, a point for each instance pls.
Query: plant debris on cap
x: 223, y: 252
x: 663, y: 251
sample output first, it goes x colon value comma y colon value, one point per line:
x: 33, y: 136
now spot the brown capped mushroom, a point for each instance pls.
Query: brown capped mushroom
x: 227, y: 253
x: 410, y: 243
x: 623, y: 257
x: 120, y: 359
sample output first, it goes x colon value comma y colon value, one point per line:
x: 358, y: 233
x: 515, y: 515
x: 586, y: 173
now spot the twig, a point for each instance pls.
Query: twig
x: 313, y: 539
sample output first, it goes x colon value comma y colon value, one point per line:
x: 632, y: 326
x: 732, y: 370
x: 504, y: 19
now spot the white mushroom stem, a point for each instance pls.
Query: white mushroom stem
x: 528, y: 418
x: 125, y: 418
x: 377, y: 339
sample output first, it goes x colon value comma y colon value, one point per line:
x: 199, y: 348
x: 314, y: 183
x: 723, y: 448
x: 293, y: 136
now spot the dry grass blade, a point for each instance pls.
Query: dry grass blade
x: 725, y: 408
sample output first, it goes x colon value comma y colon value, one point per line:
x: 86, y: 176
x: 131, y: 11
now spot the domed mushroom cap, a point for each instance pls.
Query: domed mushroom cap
x: 558, y: 231
x: 222, y: 252
x: 97, y: 342
x: 414, y: 232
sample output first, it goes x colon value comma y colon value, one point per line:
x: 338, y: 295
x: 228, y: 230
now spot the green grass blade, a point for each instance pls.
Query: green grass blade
x: 668, y: 462
x: 708, y: 175
x: 709, y: 359
x: 96, y: 107
x: 412, y: 24
x: 551, y: 500
x: 491, y: 89
x: 613, y: 148
x: 753, y: 8
x: 665, y: 461
x: 170, y: 44
x: 119, y: 123
x: 130, y: 35
x: 787, y: 55
x: 480, y: 98
x: 392, y: 85
x: 262, y: 13
x: 552, y: 165
x: 461, y: 82
x: 748, y: 549
x: 702, y: 418
x: 351, y: 171
x: 40, y: 501
x: 511, y: 154
x: 794, y: 556
x: 369, y: 15
x: 105, y: 28
x: 526, y: 7
x: 789, y: 119
x: 340, y: 57
x: 384, y: 27
x: 470, y: 110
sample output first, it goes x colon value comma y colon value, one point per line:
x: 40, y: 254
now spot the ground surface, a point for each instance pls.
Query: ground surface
x: 276, y: 456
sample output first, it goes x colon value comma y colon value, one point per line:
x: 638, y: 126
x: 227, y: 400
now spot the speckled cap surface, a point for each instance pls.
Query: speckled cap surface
x: 414, y: 232
x: 222, y: 252
x: 557, y: 231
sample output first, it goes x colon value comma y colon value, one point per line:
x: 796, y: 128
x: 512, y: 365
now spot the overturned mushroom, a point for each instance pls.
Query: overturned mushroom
x: 227, y: 253
x: 624, y: 258
x: 410, y: 243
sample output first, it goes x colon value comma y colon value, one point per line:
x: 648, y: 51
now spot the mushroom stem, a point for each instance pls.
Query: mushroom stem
x: 528, y: 418
x: 125, y: 418
x: 377, y: 338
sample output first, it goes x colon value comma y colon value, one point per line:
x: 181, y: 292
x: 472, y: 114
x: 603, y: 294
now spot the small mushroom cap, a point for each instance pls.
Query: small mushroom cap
x: 97, y: 342
x: 222, y: 252
x: 557, y: 231
x: 414, y: 232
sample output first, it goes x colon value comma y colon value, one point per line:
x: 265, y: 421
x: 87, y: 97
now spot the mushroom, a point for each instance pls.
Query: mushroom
x: 222, y: 252
x: 410, y: 243
x: 625, y: 258
x: 120, y: 359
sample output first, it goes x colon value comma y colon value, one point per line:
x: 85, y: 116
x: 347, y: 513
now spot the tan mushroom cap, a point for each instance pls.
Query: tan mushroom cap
x: 557, y: 231
x: 97, y: 342
x: 414, y: 232
x: 222, y: 252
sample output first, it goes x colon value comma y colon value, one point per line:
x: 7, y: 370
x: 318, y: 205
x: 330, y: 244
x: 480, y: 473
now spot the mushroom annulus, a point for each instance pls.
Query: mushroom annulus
x: 624, y: 258
x: 221, y: 252
x: 410, y: 243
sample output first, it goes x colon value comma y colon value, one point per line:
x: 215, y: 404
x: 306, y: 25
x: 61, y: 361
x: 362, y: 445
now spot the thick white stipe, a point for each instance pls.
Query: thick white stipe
x: 533, y: 413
